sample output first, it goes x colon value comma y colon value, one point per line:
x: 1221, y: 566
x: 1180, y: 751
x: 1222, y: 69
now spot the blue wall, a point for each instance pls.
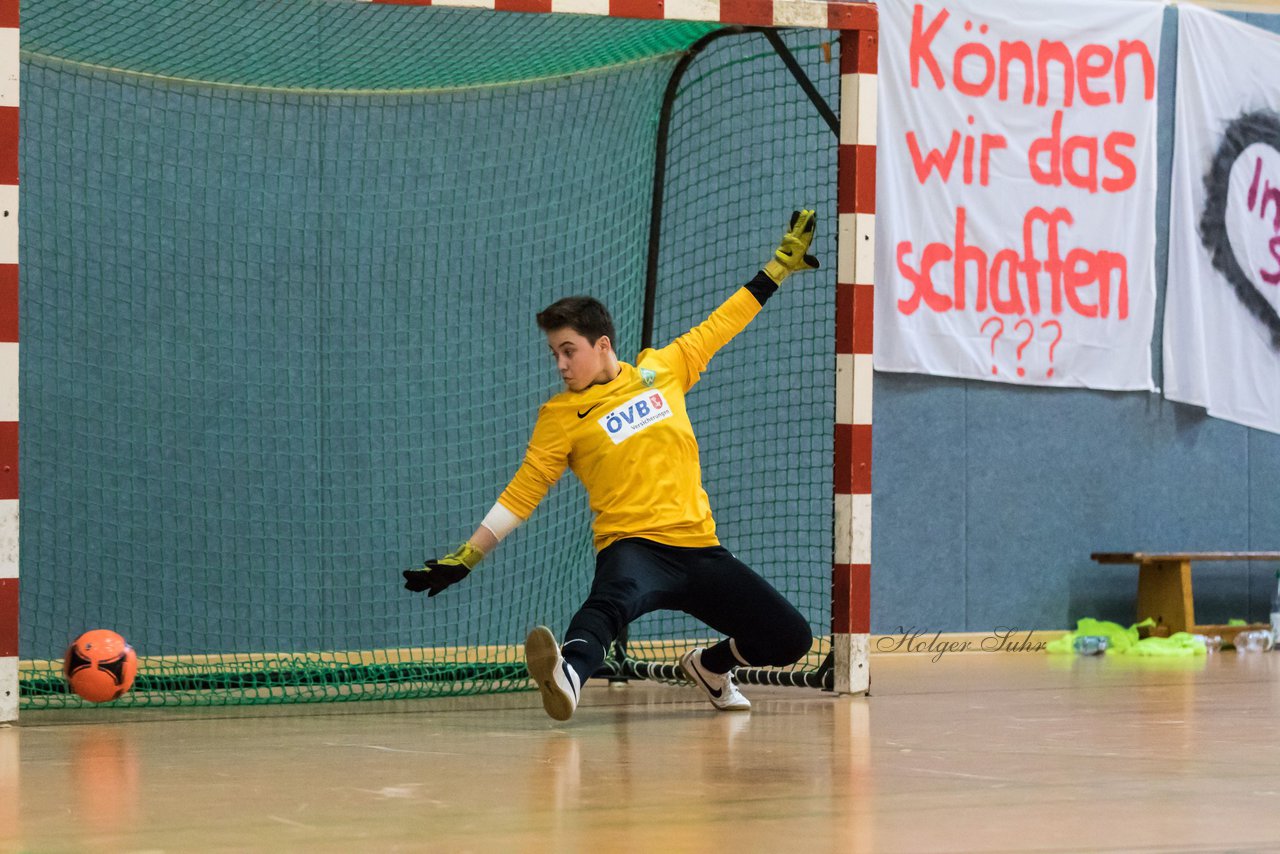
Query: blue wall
x: 990, y: 498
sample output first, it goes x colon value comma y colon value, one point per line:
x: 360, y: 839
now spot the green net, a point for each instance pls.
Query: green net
x: 746, y: 148
x: 278, y: 339
x: 338, y: 45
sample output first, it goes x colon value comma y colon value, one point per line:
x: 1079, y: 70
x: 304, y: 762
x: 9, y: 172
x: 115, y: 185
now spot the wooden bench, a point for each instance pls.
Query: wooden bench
x: 1164, y: 589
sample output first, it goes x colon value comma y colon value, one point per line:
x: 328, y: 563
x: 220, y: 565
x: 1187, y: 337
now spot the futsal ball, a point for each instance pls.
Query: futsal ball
x: 100, y: 666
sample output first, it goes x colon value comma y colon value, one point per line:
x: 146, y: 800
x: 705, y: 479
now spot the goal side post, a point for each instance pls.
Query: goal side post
x: 9, y: 64
x: 855, y: 297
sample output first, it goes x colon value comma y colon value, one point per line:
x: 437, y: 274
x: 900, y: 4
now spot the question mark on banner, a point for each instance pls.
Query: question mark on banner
x: 999, y: 332
x: 1031, y: 333
x: 1058, y: 325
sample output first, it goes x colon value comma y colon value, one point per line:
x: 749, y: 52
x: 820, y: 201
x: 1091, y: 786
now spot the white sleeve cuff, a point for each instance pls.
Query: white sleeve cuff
x: 501, y: 521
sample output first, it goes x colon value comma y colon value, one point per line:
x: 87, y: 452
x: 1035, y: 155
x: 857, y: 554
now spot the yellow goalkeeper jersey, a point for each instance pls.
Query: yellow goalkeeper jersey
x: 630, y: 441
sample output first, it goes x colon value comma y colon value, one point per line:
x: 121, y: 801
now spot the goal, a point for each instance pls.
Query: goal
x: 279, y: 279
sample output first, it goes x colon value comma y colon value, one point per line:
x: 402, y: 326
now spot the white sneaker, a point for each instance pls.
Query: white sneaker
x: 555, y: 679
x: 720, y: 688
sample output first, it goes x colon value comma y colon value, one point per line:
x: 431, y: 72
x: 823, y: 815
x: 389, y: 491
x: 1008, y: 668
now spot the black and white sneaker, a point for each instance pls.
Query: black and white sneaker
x: 720, y: 688
x: 555, y: 679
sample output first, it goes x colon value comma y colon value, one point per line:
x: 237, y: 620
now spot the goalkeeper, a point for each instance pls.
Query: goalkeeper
x: 625, y: 432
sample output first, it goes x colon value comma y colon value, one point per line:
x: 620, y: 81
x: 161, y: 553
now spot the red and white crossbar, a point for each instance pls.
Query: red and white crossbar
x: 819, y: 14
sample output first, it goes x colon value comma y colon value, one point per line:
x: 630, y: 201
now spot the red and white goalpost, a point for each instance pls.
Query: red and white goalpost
x: 9, y: 61
x: 851, y: 558
x: 855, y: 299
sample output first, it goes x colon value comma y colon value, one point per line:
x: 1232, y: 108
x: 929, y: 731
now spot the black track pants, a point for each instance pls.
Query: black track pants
x: 636, y: 576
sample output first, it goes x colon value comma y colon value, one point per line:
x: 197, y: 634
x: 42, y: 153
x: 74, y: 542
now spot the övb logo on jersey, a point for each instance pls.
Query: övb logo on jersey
x: 641, y: 411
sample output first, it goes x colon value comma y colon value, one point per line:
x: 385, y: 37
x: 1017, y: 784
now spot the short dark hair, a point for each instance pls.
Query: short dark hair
x: 586, y: 316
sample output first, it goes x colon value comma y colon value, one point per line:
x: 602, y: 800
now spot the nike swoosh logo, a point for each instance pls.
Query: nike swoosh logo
x: 715, y: 692
x: 569, y: 679
x: 588, y: 412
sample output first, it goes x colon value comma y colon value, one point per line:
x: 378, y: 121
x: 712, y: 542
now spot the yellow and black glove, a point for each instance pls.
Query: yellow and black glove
x: 791, y: 256
x: 436, y: 575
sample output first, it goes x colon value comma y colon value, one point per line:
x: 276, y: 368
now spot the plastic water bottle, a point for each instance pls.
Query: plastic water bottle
x: 1090, y: 644
x: 1212, y: 643
x: 1255, y: 641
x: 1275, y: 612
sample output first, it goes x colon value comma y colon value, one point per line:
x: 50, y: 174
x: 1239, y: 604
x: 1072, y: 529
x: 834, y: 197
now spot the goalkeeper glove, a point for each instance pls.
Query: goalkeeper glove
x: 790, y: 256
x: 439, y: 574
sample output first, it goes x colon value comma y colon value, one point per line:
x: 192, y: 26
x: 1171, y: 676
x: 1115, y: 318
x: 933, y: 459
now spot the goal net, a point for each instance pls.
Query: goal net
x: 280, y: 270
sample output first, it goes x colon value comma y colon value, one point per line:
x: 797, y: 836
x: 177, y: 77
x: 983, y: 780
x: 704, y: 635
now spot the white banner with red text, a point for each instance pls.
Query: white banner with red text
x: 1016, y: 191
x: 1222, y: 309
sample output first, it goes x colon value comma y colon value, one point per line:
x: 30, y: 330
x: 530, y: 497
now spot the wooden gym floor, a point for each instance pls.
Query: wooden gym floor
x: 1010, y: 752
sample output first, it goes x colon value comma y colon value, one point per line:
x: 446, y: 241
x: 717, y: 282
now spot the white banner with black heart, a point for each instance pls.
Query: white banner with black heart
x: 1222, y: 312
